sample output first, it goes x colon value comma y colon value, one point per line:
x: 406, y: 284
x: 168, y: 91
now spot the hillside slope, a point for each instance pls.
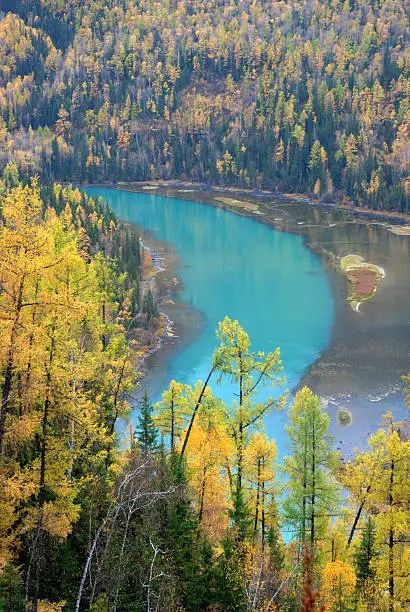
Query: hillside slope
x: 308, y: 96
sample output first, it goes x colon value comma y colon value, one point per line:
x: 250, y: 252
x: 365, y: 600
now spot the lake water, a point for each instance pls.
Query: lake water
x: 268, y: 280
x: 282, y: 294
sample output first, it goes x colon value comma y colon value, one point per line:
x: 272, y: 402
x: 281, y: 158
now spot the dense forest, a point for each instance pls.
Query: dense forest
x: 303, y: 96
x: 188, y: 509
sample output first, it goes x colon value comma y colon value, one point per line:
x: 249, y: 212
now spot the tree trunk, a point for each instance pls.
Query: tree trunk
x: 240, y: 445
x: 172, y: 423
x: 43, y: 451
x: 313, y: 497
x: 104, y: 335
x: 201, y: 508
x: 115, y: 410
x: 356, y: 519
x: 391, y: 540
x: 304, y: 486
x: 255, y: 526
x: 119, y: 561
x: 88, y: 561
x: 191, y: 422
x: 263, y: 516
x: 30, y: 346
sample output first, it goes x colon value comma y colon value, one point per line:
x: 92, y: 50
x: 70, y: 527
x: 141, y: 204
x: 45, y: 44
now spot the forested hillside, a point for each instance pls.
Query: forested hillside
x: 296, y: 96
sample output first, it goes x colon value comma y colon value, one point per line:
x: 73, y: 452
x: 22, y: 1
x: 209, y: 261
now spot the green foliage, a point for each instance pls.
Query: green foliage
x: 146, y: 431
x: 241, y: 515
x: 11, y: 175
x: 275, y: 548
x: 11, y: 589
x: 365, y: 554
x: 149, y: 307
x: 230, y: 583
x: 312, y: 494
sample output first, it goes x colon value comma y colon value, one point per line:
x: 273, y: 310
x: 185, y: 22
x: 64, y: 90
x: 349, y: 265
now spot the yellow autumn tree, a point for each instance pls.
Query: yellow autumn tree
x: 62, y: 387
x: 389, y: 498
x: 260, y: 457
x: 339, y: 581
x: 209, y: 456
x: 26, y: 253
x: 378, y: 480
x: 173, y: 411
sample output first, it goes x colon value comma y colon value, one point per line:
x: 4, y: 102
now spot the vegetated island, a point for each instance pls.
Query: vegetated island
x: 363, y: 278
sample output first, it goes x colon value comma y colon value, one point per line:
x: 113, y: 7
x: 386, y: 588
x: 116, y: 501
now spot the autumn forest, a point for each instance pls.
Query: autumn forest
x: 188, y: 507
x: 307, y: 97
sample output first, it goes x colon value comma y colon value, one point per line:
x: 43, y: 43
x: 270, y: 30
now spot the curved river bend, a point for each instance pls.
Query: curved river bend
x: 230, y: 265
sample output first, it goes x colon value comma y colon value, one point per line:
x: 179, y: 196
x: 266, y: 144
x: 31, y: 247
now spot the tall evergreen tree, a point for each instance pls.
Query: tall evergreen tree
x: 365, y: 553
x: 146, y: 432
x: 241, y: 515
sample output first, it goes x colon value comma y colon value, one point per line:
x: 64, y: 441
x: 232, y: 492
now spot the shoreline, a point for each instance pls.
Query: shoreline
x: 162, y: 185
x: 163, y: 281
x: 217, y: 197
x: 157, y: 268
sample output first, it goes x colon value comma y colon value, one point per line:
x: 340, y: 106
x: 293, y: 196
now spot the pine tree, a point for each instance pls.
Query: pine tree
x: 230, y: 587
x: 11, y: 590
x: 275, y: 549
x: 149, y: 307
x: 188, y: 547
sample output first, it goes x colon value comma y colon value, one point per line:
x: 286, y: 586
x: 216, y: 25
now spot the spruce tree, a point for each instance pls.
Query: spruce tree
x: 146, y: 432
x: 241, y: 515
x: 149, y: 307
x: 365, y: 553
x: 230, y: 586
x: 189, y: 550
x: 275, y: 549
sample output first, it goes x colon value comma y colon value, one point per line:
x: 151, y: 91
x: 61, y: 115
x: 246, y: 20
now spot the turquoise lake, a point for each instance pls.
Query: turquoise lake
x: 268, y: 280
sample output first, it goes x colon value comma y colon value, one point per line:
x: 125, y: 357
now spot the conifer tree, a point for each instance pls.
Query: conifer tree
x: 311, y: 498
x: 146, y: 431
x: 250, y: 371
x: 241, y: 515
x: 365, y: 554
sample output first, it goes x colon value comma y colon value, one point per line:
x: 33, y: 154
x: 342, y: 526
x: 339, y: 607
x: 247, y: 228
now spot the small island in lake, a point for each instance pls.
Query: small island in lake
x: 363, y: 278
